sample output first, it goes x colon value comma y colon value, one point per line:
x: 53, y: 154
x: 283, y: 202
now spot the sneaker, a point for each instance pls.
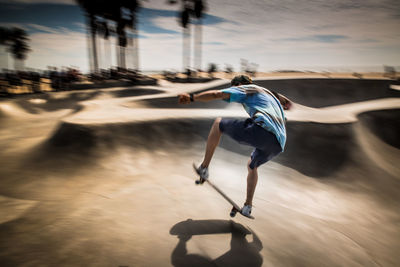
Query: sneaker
x: 202, y: 172
x: 246, y: 210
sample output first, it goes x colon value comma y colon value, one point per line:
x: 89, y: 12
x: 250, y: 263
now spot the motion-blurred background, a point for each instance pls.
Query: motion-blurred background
x: 96, y: 154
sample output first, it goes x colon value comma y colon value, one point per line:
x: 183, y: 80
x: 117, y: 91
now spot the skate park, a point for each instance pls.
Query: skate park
x: 104, y: 177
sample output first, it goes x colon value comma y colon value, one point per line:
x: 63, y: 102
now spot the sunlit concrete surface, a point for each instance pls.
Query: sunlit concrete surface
x: 395, y: 87
x: 104, y: 178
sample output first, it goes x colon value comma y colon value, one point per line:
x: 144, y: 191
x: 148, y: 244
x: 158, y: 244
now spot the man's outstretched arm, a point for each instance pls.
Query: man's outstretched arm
x: 203, y: 96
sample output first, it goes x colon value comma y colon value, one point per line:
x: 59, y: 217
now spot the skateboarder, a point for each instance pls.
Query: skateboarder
x: 264, y: 130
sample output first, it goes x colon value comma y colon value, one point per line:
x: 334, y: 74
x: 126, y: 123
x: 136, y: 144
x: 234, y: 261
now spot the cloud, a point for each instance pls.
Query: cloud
x: 45, y: 15
x: 214, y: 43
x: 149, y: 17
x: 42, y: 28
x: 320, y: 38
x: 62, y: 48
x: 368, y: 40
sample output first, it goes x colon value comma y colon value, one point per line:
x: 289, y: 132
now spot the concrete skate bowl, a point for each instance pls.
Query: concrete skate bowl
x: 102, y: 183
x: 146, y: 135
x: 72, y: 145
x: 346, y: 153
x: 319, y: 150
x: 128, y: 92
x: 315, y: 93
x: 385, y: 124
x: 319, y: 93
x: 75, y: 148
x: 379, y: 137
x: 78, y: 157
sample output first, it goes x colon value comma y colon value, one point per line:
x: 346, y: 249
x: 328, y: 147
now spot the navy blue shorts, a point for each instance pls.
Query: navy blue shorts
x: 247, y: 132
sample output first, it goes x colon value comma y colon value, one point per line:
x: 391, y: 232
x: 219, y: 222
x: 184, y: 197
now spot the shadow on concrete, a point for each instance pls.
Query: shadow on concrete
x: 318, y: 149
x: 52, y: 103
x: 128, y: 92
x: 314, y: 149
x: 385, y: 124
x: 319, y: 93
x: 241, y: 253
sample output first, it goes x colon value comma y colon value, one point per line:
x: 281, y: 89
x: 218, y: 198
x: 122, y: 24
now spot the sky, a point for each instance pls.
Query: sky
x: 319, y: 35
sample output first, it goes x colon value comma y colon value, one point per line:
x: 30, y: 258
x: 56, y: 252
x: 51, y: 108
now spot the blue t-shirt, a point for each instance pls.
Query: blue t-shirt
x: 262, y: 106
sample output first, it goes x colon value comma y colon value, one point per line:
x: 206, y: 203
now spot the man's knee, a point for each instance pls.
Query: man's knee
x: 249, y: 165
x: 216, y: 123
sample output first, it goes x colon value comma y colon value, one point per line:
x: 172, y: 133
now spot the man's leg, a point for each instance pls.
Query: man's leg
x: 252, y: 178
x: 212, y: 142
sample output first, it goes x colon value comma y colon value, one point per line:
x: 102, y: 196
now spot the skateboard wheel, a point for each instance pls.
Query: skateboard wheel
x: 233, y: 212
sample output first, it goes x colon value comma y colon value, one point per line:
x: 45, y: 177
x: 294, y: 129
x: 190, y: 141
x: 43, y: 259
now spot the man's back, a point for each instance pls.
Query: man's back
x: 262, y: 106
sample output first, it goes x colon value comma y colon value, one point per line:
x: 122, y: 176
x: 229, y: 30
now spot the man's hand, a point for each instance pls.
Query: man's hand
x: 184, y: 99
x: 287, y: 104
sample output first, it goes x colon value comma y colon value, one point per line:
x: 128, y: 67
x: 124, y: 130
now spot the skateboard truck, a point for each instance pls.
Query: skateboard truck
x: 233, y: 212
x: 200, y: 181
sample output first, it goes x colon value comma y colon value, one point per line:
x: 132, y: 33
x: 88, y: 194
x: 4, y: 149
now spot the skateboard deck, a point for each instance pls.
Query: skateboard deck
x: 235, y: 207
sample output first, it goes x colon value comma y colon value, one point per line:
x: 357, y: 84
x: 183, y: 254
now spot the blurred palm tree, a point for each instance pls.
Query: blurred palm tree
x: 128, y: 19
x: 123, y: 13
x: 191, y: 8
x: 4, y: 35
x: 4, y: 40
x: 135, y: 36
x: 198, y: 12
x: 106, y: 49
x: 16, y: 42
x: 185, y: 23
x: 89, y: 6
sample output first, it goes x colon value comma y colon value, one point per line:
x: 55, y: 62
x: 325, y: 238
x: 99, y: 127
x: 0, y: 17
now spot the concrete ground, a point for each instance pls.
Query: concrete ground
x: 104, y: 178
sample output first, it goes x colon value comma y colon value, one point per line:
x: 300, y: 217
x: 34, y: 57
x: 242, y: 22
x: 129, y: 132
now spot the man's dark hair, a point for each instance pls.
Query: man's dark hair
x: 241, y: 79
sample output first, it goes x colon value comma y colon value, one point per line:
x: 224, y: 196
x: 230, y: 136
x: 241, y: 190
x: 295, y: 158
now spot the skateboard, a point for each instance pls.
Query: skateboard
x: 235, y: 207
